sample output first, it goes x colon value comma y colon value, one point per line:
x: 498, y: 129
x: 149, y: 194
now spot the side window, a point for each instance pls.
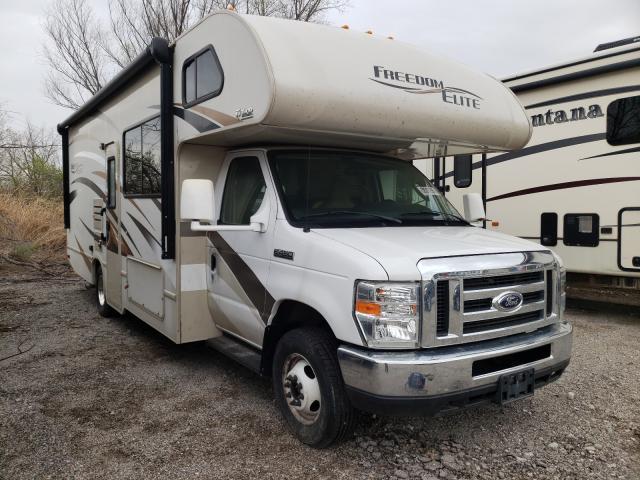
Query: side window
x: 581, y: 229
x: 549, y: 229
x: 623, y: 121
x: 243, y: 191
x: 202, y: 77
x: 462, y: 171
x: 142, y: 159
x: 111, y: 182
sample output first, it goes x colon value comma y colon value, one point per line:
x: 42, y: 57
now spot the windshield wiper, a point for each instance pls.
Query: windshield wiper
x: 436, y: 214
x: 350, y: 212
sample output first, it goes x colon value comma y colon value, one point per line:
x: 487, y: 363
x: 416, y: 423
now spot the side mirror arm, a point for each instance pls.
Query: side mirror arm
x: 196, y: 226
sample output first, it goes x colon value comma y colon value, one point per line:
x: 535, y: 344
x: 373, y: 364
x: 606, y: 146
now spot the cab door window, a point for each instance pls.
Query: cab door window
x: 244, y: 191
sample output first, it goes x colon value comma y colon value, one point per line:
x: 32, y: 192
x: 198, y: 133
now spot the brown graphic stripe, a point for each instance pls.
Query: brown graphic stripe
x: 218, y: 117
x: 563, y: 185
x: 148, y: 236
x: 85, y: 181
x: 85, y: 257
x: 135, y: 204
x: 250, y: 283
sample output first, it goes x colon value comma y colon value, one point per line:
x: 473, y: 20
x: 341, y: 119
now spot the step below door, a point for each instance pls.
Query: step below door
x: 629, y: 239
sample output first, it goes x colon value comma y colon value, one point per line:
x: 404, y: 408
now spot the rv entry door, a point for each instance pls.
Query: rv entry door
x: 629, y: 238
x: 112, y: 228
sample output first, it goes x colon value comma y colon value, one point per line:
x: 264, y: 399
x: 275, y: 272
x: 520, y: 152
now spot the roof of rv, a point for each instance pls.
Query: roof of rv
x: 624, y: 56
x: 351, y: 87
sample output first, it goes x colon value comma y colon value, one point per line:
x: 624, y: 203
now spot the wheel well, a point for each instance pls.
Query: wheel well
x: 95, y: 265
x: 291, y: 314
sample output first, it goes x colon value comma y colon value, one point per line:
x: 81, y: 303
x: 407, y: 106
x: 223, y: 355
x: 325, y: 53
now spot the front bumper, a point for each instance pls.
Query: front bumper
x: 439, y: 379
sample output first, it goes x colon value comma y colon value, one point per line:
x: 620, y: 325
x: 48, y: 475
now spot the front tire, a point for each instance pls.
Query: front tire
x: 104, y: 309
x: 309, y: 390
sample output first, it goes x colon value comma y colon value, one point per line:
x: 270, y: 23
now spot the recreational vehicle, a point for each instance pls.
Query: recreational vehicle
x: 250, y: 185
x: 575, y: 188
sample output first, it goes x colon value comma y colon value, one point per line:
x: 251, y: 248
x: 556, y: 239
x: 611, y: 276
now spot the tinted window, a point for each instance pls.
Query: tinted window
x: 132, y: 163
x: 549, y: 229
x: 462, y: 171
x: 581, y: 229
x: 111, y: 182
x: 142, y: 159
x: 243, y: 191
x: 623, y: 121
x: 190, y: 82
x: 151, y: 156
x: 202, y: 77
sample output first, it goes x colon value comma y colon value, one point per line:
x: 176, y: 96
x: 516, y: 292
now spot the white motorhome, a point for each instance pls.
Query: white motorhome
x: 575, y: 187
x: 251, y: 185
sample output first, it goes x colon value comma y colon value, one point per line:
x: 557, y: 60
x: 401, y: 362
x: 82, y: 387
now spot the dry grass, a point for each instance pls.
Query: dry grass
x: 31, y: 228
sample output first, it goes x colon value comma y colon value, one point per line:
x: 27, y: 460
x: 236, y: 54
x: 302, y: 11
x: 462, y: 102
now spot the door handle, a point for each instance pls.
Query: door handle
x: 213, y: 263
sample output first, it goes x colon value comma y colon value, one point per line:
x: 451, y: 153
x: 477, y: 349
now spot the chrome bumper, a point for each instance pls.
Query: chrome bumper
x: 445, y: 375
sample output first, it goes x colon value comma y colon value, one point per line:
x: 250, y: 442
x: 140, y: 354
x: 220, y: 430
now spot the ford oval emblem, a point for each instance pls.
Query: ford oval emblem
x: 508, y: 301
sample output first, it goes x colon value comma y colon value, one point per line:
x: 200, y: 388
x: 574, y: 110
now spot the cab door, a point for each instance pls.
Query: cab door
x: 239, y: 260
x: 111, y: 221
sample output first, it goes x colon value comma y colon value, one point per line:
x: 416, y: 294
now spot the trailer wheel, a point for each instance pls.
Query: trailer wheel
x: 309, y: 389
x: 104, y: 309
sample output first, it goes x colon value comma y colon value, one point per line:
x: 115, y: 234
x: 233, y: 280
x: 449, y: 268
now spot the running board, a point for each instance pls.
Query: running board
x: 237, y: 350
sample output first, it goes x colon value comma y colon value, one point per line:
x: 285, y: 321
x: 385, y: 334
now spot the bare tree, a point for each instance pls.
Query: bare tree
x: 77, y: 66
x: 29, y: 162
x: 82, y: 55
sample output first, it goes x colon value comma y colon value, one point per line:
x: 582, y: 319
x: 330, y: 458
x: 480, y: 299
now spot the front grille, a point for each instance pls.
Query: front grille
x: 467, y: 299
x: 503, y: 280
x: 502, y: 322
x: 442, y: 316
x: 482, y: 304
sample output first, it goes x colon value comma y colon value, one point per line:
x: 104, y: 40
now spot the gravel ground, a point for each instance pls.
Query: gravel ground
x: 111, y: 398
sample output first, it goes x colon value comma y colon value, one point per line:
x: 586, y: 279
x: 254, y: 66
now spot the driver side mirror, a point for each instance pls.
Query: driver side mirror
x: 473, y: 207
x: 197, y: 203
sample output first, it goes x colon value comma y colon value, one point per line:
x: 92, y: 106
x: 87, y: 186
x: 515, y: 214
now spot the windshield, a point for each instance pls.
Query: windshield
x: 341, y: 189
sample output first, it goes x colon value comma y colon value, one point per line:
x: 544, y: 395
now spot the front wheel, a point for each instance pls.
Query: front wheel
x: 309, y: 389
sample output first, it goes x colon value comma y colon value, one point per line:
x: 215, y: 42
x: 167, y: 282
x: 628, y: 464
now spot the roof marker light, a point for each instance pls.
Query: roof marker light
x: 345, y: 27
x: 231, y: 7
x: 369, y: 32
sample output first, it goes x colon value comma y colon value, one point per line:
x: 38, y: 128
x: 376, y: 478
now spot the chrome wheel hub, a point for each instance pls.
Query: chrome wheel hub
x: 301, y: 389
x: 100, y: 289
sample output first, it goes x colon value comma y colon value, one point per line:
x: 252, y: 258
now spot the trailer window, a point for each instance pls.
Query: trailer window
x: 462, y: 171
x: 623, y: 121
x: 581, y: 229
x: 243, y: 191
x: 202, y: 77
x: 142, y: 159
x: 549, y: 229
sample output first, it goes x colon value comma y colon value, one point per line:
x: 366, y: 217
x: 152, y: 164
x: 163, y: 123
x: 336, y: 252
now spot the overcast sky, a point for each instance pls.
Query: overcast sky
x: 500, y: 37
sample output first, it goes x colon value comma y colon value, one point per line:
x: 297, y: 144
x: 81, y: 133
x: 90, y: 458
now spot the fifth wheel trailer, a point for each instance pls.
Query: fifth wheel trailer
x: 575, y: 187
x: 251, y: 185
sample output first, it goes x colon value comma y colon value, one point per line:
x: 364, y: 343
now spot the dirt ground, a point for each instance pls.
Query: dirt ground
x: 110, y: 398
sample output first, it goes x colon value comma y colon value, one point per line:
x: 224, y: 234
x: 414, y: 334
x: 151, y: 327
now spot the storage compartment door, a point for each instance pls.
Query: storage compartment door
x: 629, y: 238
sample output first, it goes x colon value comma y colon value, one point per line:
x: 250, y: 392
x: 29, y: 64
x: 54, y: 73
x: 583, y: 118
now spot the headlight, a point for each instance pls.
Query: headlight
x: 387, y: 313
x: 562, y: 284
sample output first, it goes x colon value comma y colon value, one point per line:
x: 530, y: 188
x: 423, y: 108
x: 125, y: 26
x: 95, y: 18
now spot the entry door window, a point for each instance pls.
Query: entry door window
x: 111, y: 182
x: 243, y: 191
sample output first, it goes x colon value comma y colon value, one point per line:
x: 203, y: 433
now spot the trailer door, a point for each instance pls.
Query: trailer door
x: 112, y: 227
x: 629, y: 239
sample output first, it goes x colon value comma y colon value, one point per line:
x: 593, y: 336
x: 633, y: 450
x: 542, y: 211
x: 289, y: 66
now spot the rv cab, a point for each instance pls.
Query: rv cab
x: 230, y: 188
